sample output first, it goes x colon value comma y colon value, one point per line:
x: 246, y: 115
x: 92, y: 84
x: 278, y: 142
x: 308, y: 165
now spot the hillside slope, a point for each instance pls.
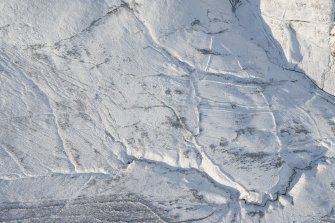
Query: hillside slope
x: 160, y: 111
x: 305, y: 30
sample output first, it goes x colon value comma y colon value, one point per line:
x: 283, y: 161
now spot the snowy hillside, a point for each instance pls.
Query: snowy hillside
x: 305, y: 30
x: 166, y: 111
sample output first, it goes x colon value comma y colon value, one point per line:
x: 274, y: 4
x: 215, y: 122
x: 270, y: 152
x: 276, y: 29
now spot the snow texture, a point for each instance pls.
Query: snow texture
x: 167, y: 111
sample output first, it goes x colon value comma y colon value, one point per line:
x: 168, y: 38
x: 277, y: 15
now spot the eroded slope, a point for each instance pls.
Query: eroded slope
x: 154, y: 99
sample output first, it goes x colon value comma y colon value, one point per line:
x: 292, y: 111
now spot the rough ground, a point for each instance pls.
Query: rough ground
x: 163, y: 111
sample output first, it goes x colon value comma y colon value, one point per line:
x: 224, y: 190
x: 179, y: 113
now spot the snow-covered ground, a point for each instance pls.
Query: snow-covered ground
x: 305, y: 31
x: 166, y: 111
